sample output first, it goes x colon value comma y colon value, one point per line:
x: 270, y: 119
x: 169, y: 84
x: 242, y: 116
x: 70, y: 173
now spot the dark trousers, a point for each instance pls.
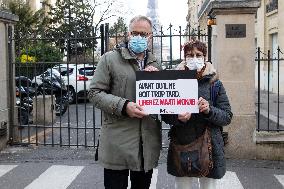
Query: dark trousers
x: 118, y: 179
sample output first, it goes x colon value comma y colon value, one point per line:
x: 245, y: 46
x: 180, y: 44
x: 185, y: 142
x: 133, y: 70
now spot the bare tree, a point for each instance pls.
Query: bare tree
x: 106, y: 9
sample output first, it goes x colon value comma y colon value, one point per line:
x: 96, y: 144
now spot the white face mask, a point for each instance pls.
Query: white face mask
x: 195, y: 63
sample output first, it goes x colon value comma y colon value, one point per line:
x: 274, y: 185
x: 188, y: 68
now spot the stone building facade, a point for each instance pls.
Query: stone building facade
x: 269, y: 34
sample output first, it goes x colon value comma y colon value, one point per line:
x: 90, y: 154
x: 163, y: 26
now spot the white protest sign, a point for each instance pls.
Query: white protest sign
x: 167, y: 96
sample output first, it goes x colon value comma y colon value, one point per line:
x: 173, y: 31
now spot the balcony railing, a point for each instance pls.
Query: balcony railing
x: 271, y: 6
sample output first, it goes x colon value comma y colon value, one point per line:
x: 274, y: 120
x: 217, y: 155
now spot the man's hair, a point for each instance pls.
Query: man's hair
x: 139, y: 18
x: 195, y: 43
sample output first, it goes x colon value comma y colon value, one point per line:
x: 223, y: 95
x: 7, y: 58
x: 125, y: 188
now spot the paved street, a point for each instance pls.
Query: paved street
x: 269, y: 108
x: 60, y: 168
x: 71, y: 167
x: 75, y: 127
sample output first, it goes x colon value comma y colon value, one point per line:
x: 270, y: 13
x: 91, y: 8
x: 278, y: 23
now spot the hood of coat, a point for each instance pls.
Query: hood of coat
x: 209, y: 72
x: 124, y: 51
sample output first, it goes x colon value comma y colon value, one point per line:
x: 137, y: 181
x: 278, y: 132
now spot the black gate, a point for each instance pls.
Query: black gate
x: 269, y: 90
x: 51, y: 80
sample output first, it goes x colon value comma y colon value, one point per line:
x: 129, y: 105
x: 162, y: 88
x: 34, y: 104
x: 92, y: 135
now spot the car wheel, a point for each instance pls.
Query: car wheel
x: 61, y: 108
x: 71, y: 95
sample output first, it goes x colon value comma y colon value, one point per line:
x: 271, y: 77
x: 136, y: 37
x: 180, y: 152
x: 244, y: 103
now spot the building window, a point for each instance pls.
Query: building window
x: 273, y: 52
x: 271, y: 6
x: 274, y: 44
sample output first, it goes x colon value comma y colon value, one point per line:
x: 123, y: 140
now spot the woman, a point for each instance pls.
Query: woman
x: 188, y: 127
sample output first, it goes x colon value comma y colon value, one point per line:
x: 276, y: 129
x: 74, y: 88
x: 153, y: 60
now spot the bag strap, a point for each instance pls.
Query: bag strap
x: 215, y: 88
x: 214, y: 91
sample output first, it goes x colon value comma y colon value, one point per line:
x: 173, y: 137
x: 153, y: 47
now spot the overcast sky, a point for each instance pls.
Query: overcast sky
x: 170, y: 11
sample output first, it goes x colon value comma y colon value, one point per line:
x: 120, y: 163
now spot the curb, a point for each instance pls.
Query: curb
x: 272, y: 117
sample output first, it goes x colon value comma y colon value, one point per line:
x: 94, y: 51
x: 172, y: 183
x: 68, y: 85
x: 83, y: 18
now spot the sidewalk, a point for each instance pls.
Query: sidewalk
x: 67, y: 168
x: 273, y: 107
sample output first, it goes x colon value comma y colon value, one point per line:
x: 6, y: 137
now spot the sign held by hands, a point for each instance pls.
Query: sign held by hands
x: 167, y: 92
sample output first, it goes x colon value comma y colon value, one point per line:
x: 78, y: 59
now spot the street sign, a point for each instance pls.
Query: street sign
x: 235, y: 30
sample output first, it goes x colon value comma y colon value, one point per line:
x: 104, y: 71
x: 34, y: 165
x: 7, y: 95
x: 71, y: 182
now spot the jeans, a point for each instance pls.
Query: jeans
x: 186, y: 182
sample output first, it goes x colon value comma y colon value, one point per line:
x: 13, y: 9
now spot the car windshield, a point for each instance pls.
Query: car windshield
x: 87, y: 71
x: 63, y: 71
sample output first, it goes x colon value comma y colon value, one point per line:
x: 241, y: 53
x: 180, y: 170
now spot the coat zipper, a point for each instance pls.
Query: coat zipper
x: 140, y: 126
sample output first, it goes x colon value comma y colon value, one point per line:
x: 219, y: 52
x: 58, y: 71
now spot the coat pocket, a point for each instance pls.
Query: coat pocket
x: 189, y: 162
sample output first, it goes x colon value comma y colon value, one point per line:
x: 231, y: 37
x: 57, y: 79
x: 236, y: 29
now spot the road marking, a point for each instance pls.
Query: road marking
x: 230, y: 180
x: 280, y: 178
x: 129, y: 183
x: 153, y: 181
x: 6, y: 168
x: 56, y: 177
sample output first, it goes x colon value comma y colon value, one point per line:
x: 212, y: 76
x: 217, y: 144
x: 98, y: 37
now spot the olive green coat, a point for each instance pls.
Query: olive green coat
x: 120, y: 146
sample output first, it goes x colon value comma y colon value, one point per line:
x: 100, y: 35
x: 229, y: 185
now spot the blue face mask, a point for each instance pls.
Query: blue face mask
x: 138, y: 44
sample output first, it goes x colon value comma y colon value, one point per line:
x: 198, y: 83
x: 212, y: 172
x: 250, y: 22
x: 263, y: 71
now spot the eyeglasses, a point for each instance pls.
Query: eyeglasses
x: 192, y: 55
x: 142, y: 34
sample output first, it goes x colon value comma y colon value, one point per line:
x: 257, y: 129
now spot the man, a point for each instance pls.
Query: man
x: 130, y: 139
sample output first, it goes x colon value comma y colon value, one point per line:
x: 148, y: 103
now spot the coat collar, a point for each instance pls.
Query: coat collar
x: 209, y: 72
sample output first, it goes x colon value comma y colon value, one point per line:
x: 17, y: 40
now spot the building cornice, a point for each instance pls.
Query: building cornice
x: 8, y: 17
x: 242, y: 6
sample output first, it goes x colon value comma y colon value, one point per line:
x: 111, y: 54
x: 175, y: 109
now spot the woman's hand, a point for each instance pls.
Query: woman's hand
x: 184, y: 117
x: 203, y: 105
x: 151, y: 69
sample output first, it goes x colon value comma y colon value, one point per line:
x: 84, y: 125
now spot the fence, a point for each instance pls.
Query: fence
x: 166, y: 40
x: 270, y: 90
x: 52, y: 108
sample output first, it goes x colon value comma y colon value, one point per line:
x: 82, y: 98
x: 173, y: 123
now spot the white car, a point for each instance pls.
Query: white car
x: 77, y: 79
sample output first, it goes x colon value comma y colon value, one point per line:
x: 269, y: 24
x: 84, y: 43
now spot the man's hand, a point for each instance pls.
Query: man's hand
x: 184, y: 117
x: 134, y: 110
x: 151, y: 69
x: 203, y: 105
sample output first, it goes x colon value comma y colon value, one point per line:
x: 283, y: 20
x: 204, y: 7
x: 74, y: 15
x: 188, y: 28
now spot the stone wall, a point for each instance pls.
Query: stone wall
x: 234, y: 60
x: 6, y: 19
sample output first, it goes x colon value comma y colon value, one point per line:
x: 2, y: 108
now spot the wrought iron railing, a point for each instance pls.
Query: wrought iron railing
x: 76, y: 123
x: 269, y: 90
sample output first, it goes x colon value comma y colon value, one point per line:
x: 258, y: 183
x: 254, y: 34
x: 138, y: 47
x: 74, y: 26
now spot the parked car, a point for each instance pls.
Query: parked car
x: 77, y: 79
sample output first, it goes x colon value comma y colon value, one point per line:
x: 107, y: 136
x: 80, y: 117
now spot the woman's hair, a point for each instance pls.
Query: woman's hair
x: 198, y: 44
